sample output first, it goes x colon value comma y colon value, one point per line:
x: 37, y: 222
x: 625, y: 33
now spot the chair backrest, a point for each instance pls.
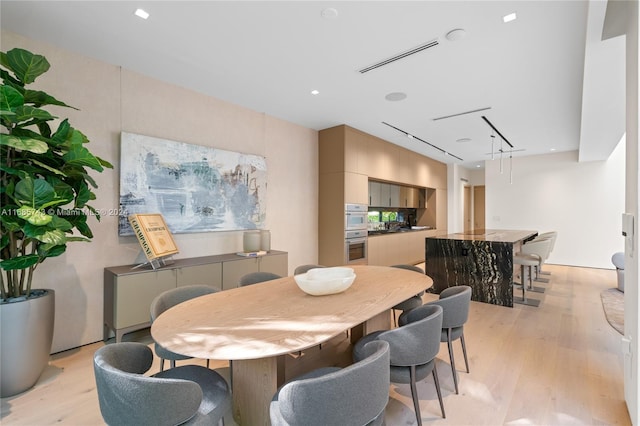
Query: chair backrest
x: 304, y: 268
x: 351, y: 396
x: 552, y: 235
x: 127, y: 397
x: 455, y: 303
x: 417, y: 341
x: 257, y: 277
x: 170, y: 298
x: 409, y: 267
x: 541, y: 247
x: 618, y: 260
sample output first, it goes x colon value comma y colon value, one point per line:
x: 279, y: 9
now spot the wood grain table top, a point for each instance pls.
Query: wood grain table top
x: 276, y: 317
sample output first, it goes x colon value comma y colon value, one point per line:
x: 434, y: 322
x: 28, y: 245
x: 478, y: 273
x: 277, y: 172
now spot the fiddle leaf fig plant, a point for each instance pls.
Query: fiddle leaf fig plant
x: 45, y: 184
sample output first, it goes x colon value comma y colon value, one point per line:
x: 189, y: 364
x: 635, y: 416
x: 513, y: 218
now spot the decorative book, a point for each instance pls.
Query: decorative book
x: 153, y: 234
x: 252, y: 253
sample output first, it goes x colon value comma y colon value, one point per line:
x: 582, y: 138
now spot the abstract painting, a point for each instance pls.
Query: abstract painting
x: 196, y: 188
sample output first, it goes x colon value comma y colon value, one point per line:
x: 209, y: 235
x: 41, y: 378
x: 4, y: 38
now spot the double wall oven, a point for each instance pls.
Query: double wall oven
x: 355, y: 233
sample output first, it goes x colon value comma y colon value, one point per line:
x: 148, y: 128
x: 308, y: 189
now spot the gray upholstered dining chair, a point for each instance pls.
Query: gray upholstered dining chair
x: 455, y: 303
x: 257, y: 277
x: 413, y: 348
x: 304, y: 268
x: 352, y: 396
x: 169, y: 299
x: 189, y: 394
x: 412, y: 302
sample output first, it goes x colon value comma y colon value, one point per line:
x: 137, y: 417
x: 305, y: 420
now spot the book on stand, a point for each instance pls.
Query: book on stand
x: 154, y: 235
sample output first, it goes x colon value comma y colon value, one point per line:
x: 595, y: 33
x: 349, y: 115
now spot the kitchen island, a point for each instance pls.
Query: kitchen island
x: 481, y: 258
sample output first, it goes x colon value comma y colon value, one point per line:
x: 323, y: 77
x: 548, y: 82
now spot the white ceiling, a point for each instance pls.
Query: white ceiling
x: 268, y: 56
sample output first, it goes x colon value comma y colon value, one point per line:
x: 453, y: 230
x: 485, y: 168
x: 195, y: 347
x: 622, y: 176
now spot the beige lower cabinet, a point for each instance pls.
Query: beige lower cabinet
x: 132, y: 292
x: 210, y: 274
x: 233, y: 270
x: 128, y: 292
x: 397, y: 248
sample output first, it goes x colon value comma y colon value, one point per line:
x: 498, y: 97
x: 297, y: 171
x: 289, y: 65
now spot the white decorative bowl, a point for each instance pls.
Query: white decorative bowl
x: 322, y: 281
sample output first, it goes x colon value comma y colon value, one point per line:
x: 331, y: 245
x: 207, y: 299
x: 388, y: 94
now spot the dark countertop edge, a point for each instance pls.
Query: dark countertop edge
x: 408, y: 231
x: 495, y: 236
x: 182, y: 262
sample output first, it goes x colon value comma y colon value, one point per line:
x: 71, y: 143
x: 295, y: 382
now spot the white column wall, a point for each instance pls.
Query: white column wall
x: 583, y: 202
x: 632, y: 206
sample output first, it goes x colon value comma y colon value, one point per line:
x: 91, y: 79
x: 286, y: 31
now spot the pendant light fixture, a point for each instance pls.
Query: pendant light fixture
x: 502, y: 140
x: 493, y: 139
x: 511, y: 166
x: 501, y: 152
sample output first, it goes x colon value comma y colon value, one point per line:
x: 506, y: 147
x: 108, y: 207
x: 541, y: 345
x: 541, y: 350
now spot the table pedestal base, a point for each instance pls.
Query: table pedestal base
x: 255, y: 381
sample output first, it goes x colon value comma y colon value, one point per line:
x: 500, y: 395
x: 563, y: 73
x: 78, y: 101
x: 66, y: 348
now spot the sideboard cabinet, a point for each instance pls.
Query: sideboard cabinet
x: 128, y: 292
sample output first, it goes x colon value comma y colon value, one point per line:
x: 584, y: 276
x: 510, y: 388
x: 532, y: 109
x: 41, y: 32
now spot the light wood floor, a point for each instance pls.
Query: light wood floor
x: 558, y: 364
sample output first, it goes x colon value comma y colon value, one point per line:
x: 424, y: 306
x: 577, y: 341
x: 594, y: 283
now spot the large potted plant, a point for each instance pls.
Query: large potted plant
x: 45, y: 188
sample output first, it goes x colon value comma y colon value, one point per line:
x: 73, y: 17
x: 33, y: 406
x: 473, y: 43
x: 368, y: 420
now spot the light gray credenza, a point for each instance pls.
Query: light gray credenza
x: 128, y: 292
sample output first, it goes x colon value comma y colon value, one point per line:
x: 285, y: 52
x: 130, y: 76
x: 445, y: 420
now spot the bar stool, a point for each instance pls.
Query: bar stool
x: 528, y: 261
x: 540, y: 248
x: 552, y: 235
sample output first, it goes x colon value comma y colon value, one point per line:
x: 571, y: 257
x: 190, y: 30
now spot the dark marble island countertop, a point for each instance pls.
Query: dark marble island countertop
x: 490, y: 235
x: 481, y: 259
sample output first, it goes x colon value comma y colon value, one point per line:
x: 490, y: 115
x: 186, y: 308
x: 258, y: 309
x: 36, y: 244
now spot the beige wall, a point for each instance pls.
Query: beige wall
x: 112, y: 100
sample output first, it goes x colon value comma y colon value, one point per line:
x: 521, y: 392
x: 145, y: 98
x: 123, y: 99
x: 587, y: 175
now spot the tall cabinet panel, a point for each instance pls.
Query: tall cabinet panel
x: 349, y: 161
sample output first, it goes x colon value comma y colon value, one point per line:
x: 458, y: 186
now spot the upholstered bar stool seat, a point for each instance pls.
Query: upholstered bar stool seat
x: 529, y: 262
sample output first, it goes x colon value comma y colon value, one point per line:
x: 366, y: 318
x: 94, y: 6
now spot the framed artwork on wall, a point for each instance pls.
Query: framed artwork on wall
x: 195, y: 188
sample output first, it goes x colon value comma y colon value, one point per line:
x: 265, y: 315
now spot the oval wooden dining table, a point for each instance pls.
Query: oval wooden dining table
x: 259, y: 326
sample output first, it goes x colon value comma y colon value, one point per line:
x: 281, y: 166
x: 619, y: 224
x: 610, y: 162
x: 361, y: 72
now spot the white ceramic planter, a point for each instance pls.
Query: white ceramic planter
x: 26, y: 333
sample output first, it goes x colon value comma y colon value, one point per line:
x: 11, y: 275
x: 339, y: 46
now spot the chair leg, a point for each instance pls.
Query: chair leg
x: 173, y: 363
x: 207, y: 363
x: 464, y: 351
x: 438, y: 391
x: 414, y: 394
x: 161, y: 364
x: 453, y: 362
x: 395, y: 318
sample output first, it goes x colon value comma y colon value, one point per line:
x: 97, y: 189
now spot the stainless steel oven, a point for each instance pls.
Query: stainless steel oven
x: 355, y: 234
x: 355, y: 247
x: 355, y: 217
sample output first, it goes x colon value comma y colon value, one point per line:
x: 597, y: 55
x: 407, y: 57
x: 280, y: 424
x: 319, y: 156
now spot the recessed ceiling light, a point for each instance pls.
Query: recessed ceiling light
x: 315, y: 92
x: 329, y: 13
x: 410, y: 136
x: 510, y: 17
x: 478, y: 165
x: 455, y: 35
x: 463, y: 140
x: 552, y: 149
x: 396, y: 96
x: 141, y: 13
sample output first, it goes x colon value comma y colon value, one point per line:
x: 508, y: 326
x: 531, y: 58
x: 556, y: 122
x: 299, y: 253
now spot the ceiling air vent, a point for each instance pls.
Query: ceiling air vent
x: 413, y: 51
